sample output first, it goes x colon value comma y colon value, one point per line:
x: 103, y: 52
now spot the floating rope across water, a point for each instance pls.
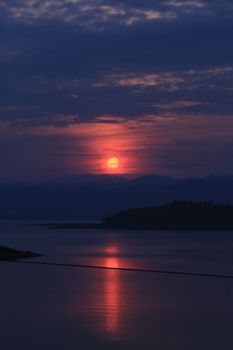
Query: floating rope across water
x: 165, y: 272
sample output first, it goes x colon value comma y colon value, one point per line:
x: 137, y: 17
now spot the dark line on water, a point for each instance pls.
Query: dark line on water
x: 166, y: 272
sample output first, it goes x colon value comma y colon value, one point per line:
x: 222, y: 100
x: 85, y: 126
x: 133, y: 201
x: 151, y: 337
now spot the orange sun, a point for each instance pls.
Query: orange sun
x: 113, y: 163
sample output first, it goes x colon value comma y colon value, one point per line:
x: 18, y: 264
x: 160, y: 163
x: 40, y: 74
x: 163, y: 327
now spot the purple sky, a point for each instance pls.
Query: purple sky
x: 150, y: 82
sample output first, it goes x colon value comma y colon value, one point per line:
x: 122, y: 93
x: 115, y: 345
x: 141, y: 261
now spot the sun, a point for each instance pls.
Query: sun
x: 113, y: 163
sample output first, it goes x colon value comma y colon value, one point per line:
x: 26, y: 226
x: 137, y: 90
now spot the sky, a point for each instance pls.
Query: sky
x: 148, y: 82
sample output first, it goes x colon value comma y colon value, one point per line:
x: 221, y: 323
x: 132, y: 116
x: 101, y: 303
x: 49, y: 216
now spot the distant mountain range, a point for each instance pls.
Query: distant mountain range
x: 92, y: 197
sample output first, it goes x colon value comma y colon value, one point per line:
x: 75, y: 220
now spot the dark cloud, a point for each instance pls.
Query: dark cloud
x: 102, y: 14
x: 71, y: 62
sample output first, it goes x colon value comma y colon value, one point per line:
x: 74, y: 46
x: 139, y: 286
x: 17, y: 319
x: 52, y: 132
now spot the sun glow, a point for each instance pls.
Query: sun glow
x: 113, y: 163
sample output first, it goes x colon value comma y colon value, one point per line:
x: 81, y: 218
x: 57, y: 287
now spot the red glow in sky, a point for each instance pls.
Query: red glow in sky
x: 147, y: 145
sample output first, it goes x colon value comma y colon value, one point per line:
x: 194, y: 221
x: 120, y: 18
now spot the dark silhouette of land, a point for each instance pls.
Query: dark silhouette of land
x: 92, y: 197
x: 13, y: 254
x: 178, y: 215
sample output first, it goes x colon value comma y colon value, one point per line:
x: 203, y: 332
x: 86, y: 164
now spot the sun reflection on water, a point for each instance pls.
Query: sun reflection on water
x: 101, y: 297
x: 111, y: 292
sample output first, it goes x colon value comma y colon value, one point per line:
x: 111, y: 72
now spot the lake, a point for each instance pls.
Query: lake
x: 67, y: 308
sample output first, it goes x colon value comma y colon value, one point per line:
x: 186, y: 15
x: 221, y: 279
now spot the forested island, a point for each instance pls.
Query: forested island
x: 178, y: 215
x: 13, y: 254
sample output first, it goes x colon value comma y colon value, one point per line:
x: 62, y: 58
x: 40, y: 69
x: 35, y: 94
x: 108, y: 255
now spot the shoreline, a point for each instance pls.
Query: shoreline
x: 103, y: 226
x: 7, y: 254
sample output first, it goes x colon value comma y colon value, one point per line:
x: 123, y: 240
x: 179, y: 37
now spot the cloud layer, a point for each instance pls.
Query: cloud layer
x: 70, y: 63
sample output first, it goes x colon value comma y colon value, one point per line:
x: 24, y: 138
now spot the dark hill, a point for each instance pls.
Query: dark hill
x: 13, y: 254
x: 179, y: 215
x: 92, y: 197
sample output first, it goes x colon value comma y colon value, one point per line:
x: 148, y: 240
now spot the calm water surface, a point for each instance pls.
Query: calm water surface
x: 46, y: 307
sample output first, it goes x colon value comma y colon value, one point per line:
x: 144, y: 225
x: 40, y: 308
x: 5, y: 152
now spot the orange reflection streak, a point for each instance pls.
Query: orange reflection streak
x: 112, y: 296
x: 112, y: 250
x: 100, y: 302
